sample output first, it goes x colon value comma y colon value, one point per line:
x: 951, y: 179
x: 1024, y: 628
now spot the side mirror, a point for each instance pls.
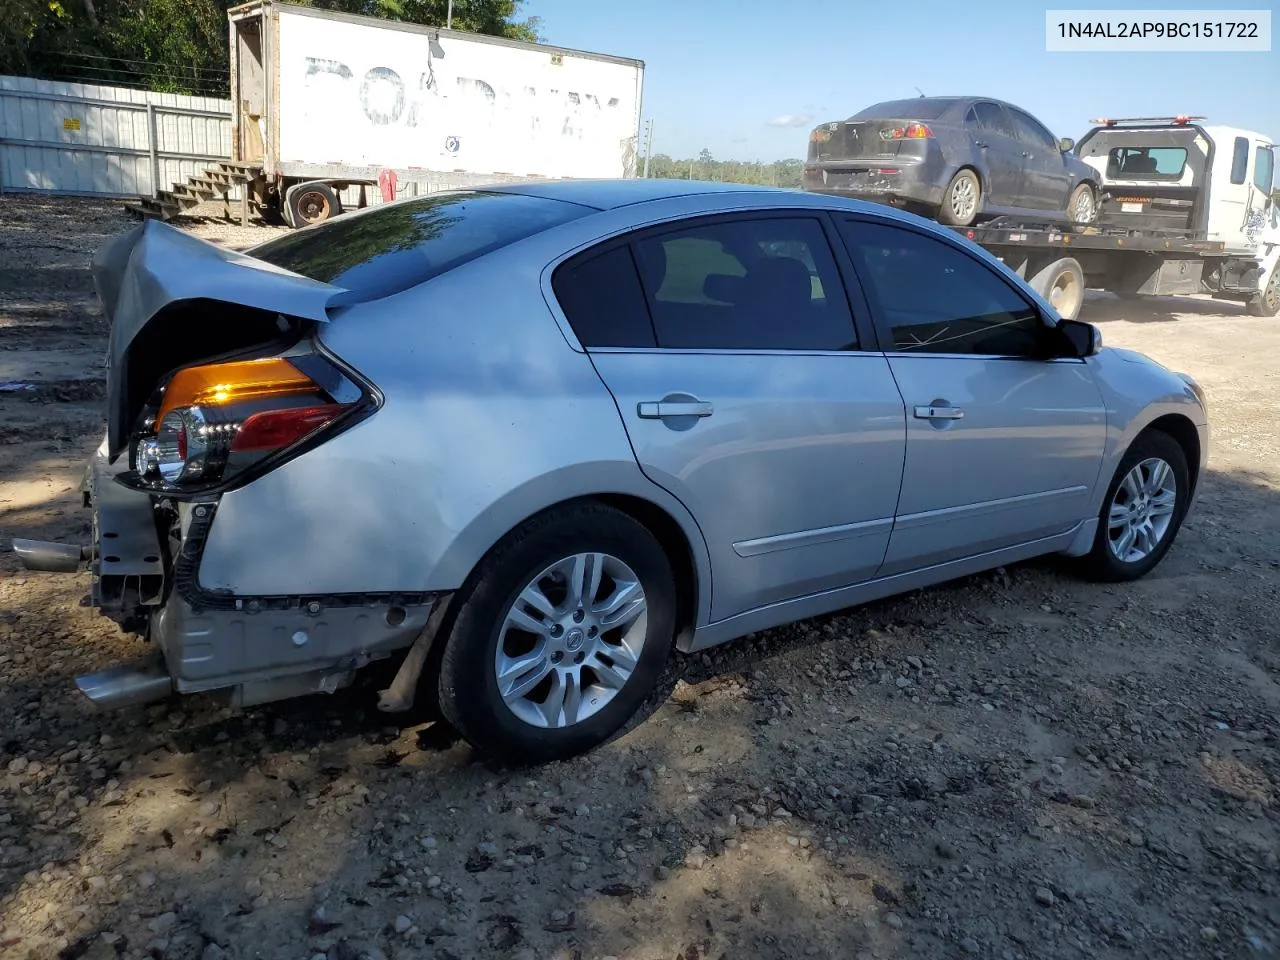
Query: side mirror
x: 1066, y: 144
x: 1082, y: 339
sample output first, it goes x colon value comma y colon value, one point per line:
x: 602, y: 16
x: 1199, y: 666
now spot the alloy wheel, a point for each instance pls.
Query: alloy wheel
x: 571, y: 640
x: 1141, y: 510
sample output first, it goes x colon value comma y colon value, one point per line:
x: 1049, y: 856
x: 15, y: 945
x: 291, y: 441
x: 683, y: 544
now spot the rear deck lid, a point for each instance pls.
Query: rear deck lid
x: 152, y: 267
x: 880, y: 132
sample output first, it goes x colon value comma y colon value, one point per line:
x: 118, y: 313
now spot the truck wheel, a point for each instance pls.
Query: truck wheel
x: 1267, y: 303
x: 962, y: 200
x: 310, y: 203
x: 1062, y: 284
x: 1082, y: 207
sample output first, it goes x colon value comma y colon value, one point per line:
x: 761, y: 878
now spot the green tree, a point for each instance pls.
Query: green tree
x: 783, y: 173
x: 180, y: 46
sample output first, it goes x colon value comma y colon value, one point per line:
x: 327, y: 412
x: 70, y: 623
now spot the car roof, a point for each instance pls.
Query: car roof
x: 606, y: 194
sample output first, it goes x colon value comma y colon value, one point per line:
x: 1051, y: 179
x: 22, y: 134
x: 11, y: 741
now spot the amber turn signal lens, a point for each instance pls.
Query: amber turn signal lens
x: 216, y: 384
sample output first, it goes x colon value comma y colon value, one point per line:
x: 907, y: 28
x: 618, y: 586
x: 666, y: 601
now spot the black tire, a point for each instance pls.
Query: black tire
x: 1267, y: 303
x: 313, y: 202
x: 952, y: 211
x: 1101, y: 563
x: 1062, y: 284
x: 1077, y: 196
x: 468, y: 685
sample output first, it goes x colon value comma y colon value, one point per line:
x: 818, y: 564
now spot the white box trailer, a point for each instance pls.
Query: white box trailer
x: 331, y: 110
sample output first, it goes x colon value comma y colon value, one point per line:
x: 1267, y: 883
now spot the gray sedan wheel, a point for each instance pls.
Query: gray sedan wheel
x: 962, y: 200
x: 560, y: 635
x: 1143, y: 509
x: 1082, y: 207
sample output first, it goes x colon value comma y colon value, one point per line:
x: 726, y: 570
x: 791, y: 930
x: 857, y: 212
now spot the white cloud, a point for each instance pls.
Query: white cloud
x: 791, y: 120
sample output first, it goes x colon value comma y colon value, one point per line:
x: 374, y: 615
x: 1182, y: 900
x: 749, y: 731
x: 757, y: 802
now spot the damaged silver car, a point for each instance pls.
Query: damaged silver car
x: 520, y: 442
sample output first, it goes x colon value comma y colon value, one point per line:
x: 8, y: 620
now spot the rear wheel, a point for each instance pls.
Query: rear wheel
x: 1267, y: 303
x: 1082, y: 207
x: 312, y: 203
x: 1062, y: 284
x: 561, y: 637
x: 962, y: 200
x: 1142, y: 512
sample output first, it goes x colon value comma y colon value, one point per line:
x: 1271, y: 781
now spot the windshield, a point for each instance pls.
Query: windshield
x: 391, y: 247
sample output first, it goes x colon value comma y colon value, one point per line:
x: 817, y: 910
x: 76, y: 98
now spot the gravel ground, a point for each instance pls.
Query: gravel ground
x: 1018, y: 765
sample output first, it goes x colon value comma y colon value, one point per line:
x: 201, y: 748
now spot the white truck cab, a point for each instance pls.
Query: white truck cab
x: 1177, y: 177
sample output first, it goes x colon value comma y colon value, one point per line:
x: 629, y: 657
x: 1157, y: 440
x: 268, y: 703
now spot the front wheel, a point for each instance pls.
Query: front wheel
x: 1267, y: 303
x: 962, y: 200
x: 1082, y: 207
x: 561, y: 637
x: 1142, y: 512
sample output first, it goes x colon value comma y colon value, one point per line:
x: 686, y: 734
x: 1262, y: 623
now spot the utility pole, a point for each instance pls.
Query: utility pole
x: 448, y: 17
x: 648, y: 147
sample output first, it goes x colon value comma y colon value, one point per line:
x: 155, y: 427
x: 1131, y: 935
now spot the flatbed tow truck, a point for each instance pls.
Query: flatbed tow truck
x: 1183, y: 209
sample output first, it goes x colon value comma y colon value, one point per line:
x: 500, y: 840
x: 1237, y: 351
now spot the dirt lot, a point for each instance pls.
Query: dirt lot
x: 1017, y: 766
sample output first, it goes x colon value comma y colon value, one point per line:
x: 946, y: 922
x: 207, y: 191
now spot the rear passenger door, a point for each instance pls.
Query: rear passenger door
x: 992, y: 133
x: 732, y: 352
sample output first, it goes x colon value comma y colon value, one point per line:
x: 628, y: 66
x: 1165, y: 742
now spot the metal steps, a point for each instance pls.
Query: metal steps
x: 215, y: 182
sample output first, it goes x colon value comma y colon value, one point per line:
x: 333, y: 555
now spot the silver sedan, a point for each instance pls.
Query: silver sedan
x: 521, y: 442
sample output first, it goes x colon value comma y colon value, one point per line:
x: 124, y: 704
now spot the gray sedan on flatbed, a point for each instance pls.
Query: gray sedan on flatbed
x: 521, y: 442
x: 956, y: 158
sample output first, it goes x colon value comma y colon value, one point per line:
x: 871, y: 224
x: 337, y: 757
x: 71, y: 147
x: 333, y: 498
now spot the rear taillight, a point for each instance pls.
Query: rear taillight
x: 214, y: 421
x: 912, y: 131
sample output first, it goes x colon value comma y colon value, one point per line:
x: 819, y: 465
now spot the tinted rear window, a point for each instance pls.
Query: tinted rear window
x: 389, y: 248
x: 920, y: 108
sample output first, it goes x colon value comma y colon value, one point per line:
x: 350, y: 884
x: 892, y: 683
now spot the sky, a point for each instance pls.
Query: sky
x: 747, y: 81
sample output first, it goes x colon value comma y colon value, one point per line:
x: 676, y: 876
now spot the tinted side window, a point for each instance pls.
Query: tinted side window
x: 1264, y: 168
x: 992, y: 117
x: 971, y: 120
x: 602, y: 299
x: 768, y: 284
x: 938, y: 299
x: 1029, y: 129
x: 1240, y: 160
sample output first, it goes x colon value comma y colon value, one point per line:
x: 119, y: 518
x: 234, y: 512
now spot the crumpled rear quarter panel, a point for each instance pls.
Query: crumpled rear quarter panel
x: 489, y: 415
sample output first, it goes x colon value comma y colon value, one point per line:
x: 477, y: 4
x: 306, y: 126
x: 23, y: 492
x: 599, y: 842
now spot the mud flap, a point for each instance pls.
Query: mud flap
x: 399, y: 697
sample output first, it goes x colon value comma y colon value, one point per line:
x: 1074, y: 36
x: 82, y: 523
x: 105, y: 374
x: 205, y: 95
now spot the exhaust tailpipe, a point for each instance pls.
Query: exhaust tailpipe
x: 48, y: 557
x: 128, y: 685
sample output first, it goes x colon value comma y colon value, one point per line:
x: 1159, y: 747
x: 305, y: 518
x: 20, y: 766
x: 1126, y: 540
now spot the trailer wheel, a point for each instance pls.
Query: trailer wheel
x: 962, y: 200
x: 313, y: 202
x: 1267, y: 303
x: 1062, y: 284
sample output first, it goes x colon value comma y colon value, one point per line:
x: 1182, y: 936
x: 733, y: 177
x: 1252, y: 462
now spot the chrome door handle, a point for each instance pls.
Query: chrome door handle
x: 939, y: 413
x: 980, y: 143
x: 661, y: 409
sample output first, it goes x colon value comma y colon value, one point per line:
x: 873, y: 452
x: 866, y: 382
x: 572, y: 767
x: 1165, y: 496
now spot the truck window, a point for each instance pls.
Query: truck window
x: 1264, y: 168
x: 1240, y: 160
x: 1146, y: 163
x: 391, y: 247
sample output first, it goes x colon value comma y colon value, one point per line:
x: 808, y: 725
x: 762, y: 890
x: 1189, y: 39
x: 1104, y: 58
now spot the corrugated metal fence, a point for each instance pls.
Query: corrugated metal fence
x: 90, y: 140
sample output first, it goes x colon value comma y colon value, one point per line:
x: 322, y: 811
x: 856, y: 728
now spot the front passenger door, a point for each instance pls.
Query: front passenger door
x: 1047, y: 182
x: 1003, y: 447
